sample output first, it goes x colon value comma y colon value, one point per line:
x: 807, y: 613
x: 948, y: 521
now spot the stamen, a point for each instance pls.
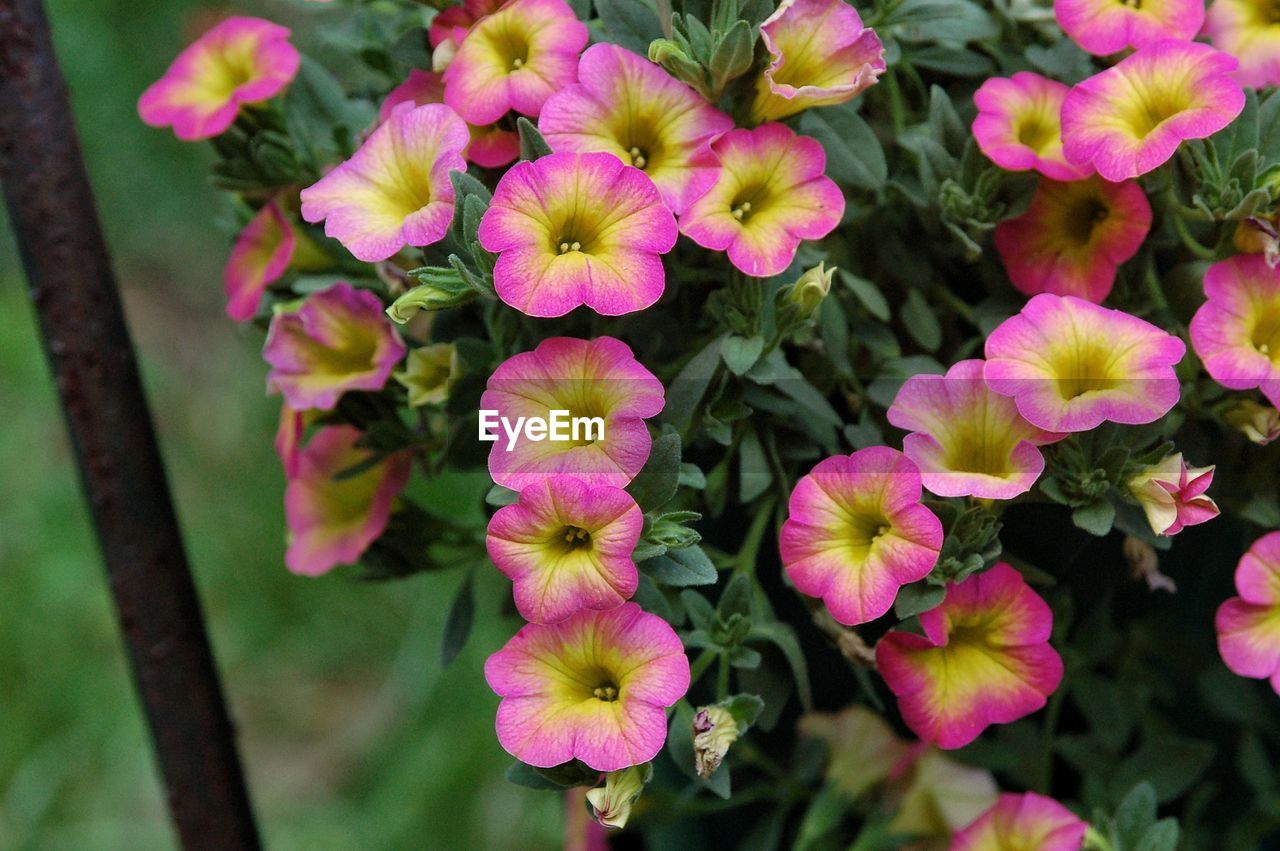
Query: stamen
x: 517, y: 63
x: 740, y: 211
x: 566, y: 247
x: 637, y: 157
x: 605, y: 692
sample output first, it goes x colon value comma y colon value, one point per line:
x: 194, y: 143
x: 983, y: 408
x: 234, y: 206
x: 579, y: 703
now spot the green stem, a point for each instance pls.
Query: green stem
x: 1050, y: 726
x: 700, y: 665
x: 745, y: 562
x: 722, y: 678
x: 1193, y: 245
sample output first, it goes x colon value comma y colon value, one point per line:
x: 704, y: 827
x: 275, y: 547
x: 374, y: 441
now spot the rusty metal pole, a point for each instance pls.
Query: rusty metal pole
x: 51, y: 205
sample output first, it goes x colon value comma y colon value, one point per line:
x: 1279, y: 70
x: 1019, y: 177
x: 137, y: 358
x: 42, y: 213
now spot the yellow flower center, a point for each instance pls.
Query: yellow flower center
x: 1084, y: 217
x: 1265, y: 13
x: 973, y: 448
x: 1152, y: 102
x: 1085, y: 367
x: 1036, y: 134
x: 1265, y: 336
x: 864, y: 528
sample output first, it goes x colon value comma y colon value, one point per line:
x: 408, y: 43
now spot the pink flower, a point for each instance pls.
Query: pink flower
x: 239, y: 61
x: 1023, y: 821
x: 593, y: 687
x: 1237, y: 331
x: 453, y: 23
x: 1018, y: 125
x: 395, y: 190
x: 856, y: 533
x: 1248, y: 626
x: 771, y: 193
x: 1071, y: 365
x: 491, y: 146
x: 1172, y: 494
x: 984, y: 659
x: 339, y: 340
x: 819, y: 54
x: 578, y: 229
x: 259, y: 258
x: 1249, y: 31
x: 1130, y: 118
x: 515, y: 59
x: 332, y: 520
x: 966, y: 439
x: 597, y: 378
x: 567, y: 546
x: 289, y: 431
x: 1103, y: 27
x: 629, y: 107
x: 1073, y: 237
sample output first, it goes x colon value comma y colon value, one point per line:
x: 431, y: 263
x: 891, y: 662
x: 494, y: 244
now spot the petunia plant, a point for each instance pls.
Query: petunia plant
x: 872, y: 406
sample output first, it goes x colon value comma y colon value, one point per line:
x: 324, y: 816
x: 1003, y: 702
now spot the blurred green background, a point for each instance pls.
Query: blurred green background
x: 353, y: 734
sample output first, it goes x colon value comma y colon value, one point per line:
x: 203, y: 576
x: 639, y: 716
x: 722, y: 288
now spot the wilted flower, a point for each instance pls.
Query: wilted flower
x: 1236, y: 332
x: 333, y: 517
x: 1018, y: 125
x: 627, y: 106
x: 428, y: 373
x: 770, y: 194
x: 938, y: 795
x: 1250, y: 31
x: 515, y: 59
x: 1103, y: 27
x: 612, y: 802
x: 589, y: 378
x: 491, y: 146
x: 1259, y: 423
x: 1073, y: 237
x: 1130, y: 118
x: 594, y: 687
x: 714, y: 732
x: 966, y: 439
x: 984, y: 659
x: 1248, y: 626
x: 863, y: 748
x: 578, y: 229
x: 395, y: 191
x: 1144, y: 565
x: 1071, y: 365
x: 239, y: 61
x: 1023, y: 821
x: 820, y: 54
x: 856, y: 533
x: 339, y: 340
x: 1172, y: 494
x: 259, y: 258
x: 567, y: 546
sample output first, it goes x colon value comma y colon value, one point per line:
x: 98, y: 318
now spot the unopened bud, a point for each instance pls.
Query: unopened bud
x: 1260, y: 423
x: 428, y: 297
x: 714, y: 730
x: 428, y: 373
x: 611, y: 803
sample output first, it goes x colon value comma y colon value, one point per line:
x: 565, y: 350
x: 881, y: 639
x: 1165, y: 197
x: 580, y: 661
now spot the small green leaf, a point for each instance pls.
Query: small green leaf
x: 867, y: 293
x: 631, y: 23
x: 532, y: 145
x: 854, y: 154
x: 920, y: 321
x: 657, y: 483
x: 499, y: 496
x: 916, y: 598
x: 1096, y: 518
x: 741, y: 353
x: 681, y: 568
x: 457, y: 625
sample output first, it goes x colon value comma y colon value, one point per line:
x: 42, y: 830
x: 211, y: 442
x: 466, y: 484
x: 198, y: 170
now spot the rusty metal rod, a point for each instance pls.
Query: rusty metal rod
x: 51, y: 205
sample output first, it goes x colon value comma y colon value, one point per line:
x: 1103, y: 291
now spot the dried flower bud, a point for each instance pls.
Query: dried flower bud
x: 1144, y: 564
x: 1260, y: 423
x: 714, y: 730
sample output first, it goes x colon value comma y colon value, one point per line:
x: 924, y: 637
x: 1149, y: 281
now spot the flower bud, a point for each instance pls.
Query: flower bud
x: 611, y: 803
x: 1172, y: 494
x: 1260, y: 423
x: 428, y: 373
x: 1259, y: 235
x: 714, y: 730
x: 429, y: 296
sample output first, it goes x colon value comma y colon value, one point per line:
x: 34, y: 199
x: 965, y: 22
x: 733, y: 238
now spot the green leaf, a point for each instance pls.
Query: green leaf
x: 314, y: 105
x: 784, y: 638
x: 916, y: 598
x: 457, y: 625
x: 499, y: 496
x: 681, y: 568
x: 690, y: 385
x: 941, y: 20
x: 745, y: 709
x: 557, y: 778
x: 1161, y: 836
x: 658, y: 481
x: 1171, y: 764
x: 532, y: 145
x: 754, y: 475
x: 531, y: 778
x: 736, y: 597
x: 868, y: 294
x: 630, y: 23
x: 1096, y: 518
x: 854, y: 154
x: 920, y: 321
x: 1135, y: 814
x: 741, y: 353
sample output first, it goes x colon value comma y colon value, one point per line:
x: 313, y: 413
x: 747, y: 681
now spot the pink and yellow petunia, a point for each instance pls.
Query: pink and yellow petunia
x: 1018, y: 125
x: 1248, y: 626
x: 593, y: 687
x: 856, y: 533
x: 1236, y: 332
x: 566, y: 546
x: 1023, y: 821
x: 1173, y: 495
x: 1073, y: 237
x: 1129, y: 119
x: 966, y: 439
x: 259, y: 258
x: 450, y: 27
x: 395, y: 191
x: 819, y: 54
x: 627, y: 106
x: 984, y: 659
x: 491, y: 146
x: 514, y: 59
x: 770, y: 194
x: 338, y: 340
x: 240, y: 61
x: 578, y: 229
x: 332, y: 520
x: 1071, y: 365
x: 1249, y: 30
x: 597, y: 378
x: 1103, y: 27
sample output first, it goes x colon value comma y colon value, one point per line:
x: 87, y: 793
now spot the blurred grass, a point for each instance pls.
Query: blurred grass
x: 352, y: 733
